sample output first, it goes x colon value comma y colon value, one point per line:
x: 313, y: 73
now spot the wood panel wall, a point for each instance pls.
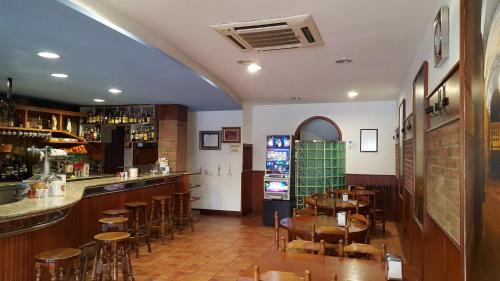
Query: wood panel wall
x: 17, y: 252
x: 386, y: 180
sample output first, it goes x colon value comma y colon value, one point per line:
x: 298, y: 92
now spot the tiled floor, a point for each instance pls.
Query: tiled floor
x: 218, y: 249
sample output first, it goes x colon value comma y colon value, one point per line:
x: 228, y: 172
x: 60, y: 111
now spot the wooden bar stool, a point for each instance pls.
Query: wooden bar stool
x: 183, y: 216
x: 115, y: 213
x: 112, y: 248
x: 113, y: 224
x: 162, y: 218
x: 56, y: 260
x: 138, y: 208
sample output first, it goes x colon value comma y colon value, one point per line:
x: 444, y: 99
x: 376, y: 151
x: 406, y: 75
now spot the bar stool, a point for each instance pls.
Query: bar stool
x: 137, y: 208
x: 115, y: 213
x: 113, y: 223
x: 55, y: 260
x: 112, y: 247
x: 162, y: 218
x: 183, y: 207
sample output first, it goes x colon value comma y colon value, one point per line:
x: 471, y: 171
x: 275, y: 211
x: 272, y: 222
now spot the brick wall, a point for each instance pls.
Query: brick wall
x: 409, y: 165
x: 443, y: 177
x: 398, y: 156
x: 172, y: 135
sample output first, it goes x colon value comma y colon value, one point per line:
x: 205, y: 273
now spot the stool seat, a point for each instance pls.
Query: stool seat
x: 112, y: 236
x: 57, y: 255
x: 116, y: 212
x: 161, y: 197
x: 55, y: 261
x: 136, y: 204
x: 113, y: 220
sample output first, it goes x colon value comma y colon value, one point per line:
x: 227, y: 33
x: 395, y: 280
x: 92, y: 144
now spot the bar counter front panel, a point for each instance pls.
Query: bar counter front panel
x: 79, y: 223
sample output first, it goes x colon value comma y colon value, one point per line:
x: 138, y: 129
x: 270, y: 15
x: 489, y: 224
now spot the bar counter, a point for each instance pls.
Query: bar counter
x: 31, y: 226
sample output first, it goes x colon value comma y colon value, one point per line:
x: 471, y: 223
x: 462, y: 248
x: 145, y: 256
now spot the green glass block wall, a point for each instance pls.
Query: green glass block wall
x: 318, y: 165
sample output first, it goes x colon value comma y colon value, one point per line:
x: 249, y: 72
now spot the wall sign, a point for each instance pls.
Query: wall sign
x: 368, y: 140
x: 231, y: 134
x: 210, y: 140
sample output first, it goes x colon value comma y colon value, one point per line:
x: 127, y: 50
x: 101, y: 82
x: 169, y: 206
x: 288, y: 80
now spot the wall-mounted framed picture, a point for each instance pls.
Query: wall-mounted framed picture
x: 210, y: 140
x: 231, y: 134
x: 441, y: 36
x: 368, y: 140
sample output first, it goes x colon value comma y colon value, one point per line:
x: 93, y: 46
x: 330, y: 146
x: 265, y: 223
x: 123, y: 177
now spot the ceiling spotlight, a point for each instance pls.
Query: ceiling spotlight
x: 253, y: 67
x: 59, y: 75
x: 115, y: 91
x: 99, y: 100
x: 48, y: 55
x: 343, y: 60
x: 296, y: 99
x: 352, y: 94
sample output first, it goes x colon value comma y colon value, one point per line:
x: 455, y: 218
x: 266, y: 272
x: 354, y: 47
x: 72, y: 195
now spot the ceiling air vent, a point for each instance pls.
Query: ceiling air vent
x: 272, y: 34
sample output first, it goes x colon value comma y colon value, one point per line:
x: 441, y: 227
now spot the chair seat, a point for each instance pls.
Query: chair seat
x: 302, y: 245
x: 112, y: 236
x: 113, y: 220
x: 161, y: 197
x: 57, y: 255
x: 116, y: 212
x: 136, y: 204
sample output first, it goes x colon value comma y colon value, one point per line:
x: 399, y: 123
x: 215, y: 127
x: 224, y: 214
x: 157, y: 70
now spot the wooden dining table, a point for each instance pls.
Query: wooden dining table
x: 322, y: 267
x: 301, y: 227
x: 327, y: 205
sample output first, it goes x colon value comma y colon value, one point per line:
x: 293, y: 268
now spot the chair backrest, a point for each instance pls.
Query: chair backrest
x: 319, y: 195
x: 340, y: 232
x: 362, y: 219
x: 279, y: 275
x: 304, y: 246
x: 305, y: 212
x: 368, y: 250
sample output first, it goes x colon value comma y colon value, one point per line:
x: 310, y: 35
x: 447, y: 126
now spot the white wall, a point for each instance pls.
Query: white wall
x: 350, y: 117
x: 426, y: 53
x: 218, y: 192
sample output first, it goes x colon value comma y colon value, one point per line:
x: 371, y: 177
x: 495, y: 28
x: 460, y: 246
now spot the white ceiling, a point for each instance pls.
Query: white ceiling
x: 380, y: 36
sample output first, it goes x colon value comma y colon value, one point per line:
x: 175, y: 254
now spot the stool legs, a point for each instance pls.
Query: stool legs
x: 162, y: 222
x: 136, y: 226
x: 111, y: 255
x: 76, y: 268
x: 148, y: 234
x: 38, y: 267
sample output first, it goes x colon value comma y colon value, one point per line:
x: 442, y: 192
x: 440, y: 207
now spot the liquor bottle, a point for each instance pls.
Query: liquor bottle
x: 145, y: 134
x: 125, y: 118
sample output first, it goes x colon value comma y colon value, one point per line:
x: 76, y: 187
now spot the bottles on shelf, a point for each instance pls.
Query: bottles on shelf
x: 92, y: 134
x: 118, y: 116
x: 143, y: 134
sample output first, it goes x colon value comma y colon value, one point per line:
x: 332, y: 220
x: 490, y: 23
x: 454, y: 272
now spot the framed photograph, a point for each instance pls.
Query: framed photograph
x: 231, y: 134
x: 368, y: 140
x: 210, y: 140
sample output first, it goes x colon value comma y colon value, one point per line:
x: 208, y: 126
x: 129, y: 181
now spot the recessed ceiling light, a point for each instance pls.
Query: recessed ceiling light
x: 48, y: 55
x: 296, y: 99
x: 253, y: 67
x: 343, y: 60
x: 59, y: 75
x: 352, y: 94
x: 115, y: 91
x: 99, y: 100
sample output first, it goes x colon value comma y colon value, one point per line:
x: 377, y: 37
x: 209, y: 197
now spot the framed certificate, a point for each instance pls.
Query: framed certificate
x: 210, y: 140
x: 369, y: 140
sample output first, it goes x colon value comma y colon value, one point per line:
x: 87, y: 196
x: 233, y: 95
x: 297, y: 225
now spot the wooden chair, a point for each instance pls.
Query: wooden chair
x: 362, y: 219
x: 319, y: 195
x: 279, y: 276
x: 340, y: 232
x: 365, y: 196
x: 377, y: 210
x: 305, y: 212
x: 366, y: 250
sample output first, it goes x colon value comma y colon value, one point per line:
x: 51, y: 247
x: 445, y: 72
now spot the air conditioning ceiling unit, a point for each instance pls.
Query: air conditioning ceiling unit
x: 272, y: 34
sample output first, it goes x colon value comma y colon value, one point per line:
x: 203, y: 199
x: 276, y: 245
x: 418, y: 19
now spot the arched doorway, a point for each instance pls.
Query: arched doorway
x: 318, y: 128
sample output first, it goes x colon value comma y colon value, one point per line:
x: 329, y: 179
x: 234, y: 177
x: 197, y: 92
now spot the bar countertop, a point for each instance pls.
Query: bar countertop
x: 74, y: 193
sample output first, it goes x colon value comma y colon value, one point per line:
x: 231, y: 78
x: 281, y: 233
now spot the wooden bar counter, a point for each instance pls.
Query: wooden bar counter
x: 31, y: 226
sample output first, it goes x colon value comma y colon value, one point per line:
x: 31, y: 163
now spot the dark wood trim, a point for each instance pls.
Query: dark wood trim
x: 222, y: 213
x: 296, y: 136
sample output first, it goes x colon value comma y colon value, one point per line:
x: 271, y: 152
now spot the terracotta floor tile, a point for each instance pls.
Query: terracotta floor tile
x: 219, y: 249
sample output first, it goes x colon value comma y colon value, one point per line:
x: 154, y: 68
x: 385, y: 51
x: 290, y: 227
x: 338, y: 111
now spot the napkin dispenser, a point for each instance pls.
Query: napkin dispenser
x: 345, y: 197
x: 341, y: 218
x: 163, y: 167
x: 393, y: 267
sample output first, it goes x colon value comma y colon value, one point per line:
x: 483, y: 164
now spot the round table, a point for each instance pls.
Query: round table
x: 326, y: 205
x: 301, y: 227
